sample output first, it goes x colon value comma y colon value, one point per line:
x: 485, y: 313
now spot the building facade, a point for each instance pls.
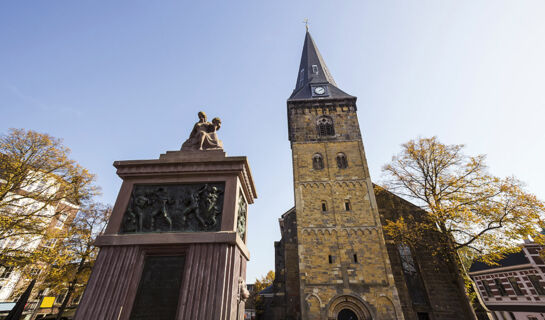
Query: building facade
x: 56, y: 218
x: 333, y: 261
x: 515, y: 288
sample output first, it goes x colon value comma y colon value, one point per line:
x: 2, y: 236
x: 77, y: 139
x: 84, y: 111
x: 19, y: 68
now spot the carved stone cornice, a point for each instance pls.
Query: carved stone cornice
x: 180, y: 163
x: 360, y: 230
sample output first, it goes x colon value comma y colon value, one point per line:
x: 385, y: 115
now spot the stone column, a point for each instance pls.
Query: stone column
x: 175, y: 245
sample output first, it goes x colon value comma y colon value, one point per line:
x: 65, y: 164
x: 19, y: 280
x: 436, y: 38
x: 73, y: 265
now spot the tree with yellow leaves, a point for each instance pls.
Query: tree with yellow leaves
x: 468, y: 209
x: 71, y: 267
x: 255, y: 299
x: 40, y: 190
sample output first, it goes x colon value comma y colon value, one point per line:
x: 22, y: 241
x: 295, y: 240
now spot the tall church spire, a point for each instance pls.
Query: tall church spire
x: 314, y: 80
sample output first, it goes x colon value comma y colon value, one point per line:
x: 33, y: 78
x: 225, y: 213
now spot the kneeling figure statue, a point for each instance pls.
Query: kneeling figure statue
x: 204, y: 136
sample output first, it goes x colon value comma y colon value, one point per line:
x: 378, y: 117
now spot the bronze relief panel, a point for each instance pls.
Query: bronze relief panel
x: 241, y: 216
x: 174, y: 208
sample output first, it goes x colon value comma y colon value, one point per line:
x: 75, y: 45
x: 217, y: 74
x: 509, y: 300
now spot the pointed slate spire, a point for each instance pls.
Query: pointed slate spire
x: 313, y: 73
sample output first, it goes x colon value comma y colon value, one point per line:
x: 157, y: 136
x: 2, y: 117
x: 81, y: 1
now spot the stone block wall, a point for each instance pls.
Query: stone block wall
x: 286, y: 299
x: 302, y: 120
x: 444, y: 298
x: 343, y: 262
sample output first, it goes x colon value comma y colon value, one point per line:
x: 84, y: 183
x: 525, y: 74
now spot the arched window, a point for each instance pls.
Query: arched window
x: 342, y: 163
x: 347, y: 206
x: 324, y: 126
x: 413, y: 279
x: 324, y: 206
x: 317, y: 162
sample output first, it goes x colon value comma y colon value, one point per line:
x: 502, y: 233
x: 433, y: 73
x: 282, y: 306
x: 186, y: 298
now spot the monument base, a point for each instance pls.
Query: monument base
x: 208, y: 285
x: 162, y: 257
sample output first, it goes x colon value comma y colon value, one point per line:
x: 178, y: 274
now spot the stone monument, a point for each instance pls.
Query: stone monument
x: 175, y: 245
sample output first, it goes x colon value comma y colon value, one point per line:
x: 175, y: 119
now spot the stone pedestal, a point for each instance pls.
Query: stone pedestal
x: 174, y: 247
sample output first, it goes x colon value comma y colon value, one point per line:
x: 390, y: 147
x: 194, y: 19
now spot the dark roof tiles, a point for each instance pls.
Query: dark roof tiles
x: 313, y: 71
x: 513, y: 259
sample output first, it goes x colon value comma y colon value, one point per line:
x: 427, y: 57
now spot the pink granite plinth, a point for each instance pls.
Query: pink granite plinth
x: 215, y: 262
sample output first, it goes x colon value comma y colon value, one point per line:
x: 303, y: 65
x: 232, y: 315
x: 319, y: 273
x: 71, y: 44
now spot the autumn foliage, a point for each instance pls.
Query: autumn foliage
x: 471, y: 210
x: 39, y: 184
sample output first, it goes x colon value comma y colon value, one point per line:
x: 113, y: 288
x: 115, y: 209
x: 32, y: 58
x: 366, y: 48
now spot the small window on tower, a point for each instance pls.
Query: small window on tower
x: 342, y: 163
x: 324, y: 206
x: 325, y: 126
x: 317, y: 162
x: 355, y: 258
x: 314, y: 69
x: 330, y: 259
x: 347, y: 205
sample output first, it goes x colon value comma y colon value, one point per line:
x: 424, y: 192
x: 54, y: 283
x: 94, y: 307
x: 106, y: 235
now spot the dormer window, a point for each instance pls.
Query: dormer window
x: 325, y: 126
x: 314, y: 69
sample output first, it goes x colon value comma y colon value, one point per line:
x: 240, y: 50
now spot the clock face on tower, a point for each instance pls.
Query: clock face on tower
x: 319, y: 90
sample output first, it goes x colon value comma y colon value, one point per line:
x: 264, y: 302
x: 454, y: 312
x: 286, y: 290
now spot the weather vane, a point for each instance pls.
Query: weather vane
x: 306, y: 23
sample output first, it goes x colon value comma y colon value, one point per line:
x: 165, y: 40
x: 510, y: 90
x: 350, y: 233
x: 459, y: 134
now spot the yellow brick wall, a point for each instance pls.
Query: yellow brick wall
x: 337, y: 232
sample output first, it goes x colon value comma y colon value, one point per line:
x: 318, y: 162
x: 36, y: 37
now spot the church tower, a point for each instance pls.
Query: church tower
x: 344, y: 268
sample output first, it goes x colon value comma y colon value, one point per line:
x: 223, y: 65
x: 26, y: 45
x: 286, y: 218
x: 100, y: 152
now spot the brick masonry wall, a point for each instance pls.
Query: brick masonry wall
x: 330, y: 275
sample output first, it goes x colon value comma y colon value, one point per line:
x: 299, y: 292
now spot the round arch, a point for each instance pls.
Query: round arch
x: 348, y: 302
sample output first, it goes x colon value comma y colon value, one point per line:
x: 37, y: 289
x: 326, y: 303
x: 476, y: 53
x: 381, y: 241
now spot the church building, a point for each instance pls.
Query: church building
x: 334, y: 260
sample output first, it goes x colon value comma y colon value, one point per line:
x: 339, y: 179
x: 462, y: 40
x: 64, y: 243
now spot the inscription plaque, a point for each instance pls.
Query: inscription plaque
x: 159, y: 288
x: 174, y: 208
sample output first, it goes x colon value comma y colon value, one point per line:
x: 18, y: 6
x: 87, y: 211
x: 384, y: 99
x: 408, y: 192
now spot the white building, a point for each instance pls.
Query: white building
x: 10, y: 278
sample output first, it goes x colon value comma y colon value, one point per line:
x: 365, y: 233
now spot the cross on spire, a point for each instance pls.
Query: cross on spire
x: 305, y: 21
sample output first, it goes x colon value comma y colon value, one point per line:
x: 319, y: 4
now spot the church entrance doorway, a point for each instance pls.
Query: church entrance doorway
x: 347, y: 307
x: 347, y: 314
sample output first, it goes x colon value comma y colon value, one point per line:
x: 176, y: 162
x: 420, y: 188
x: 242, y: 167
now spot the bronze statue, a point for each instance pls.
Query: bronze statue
x: 204, y: 205
x: 204, y: 136
x: 162, y: 212
x: 136, y: 210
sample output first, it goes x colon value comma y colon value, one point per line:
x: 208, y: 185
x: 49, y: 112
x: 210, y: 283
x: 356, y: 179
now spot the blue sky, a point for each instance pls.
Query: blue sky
x: 124, y: 80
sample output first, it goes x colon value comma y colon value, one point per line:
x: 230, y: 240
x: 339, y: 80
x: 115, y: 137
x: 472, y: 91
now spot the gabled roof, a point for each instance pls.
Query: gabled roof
x: 313, y: 71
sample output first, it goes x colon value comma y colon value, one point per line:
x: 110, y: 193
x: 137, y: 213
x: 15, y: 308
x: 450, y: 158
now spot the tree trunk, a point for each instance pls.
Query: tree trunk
x: 454, y: 261
x: 71, y: 288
